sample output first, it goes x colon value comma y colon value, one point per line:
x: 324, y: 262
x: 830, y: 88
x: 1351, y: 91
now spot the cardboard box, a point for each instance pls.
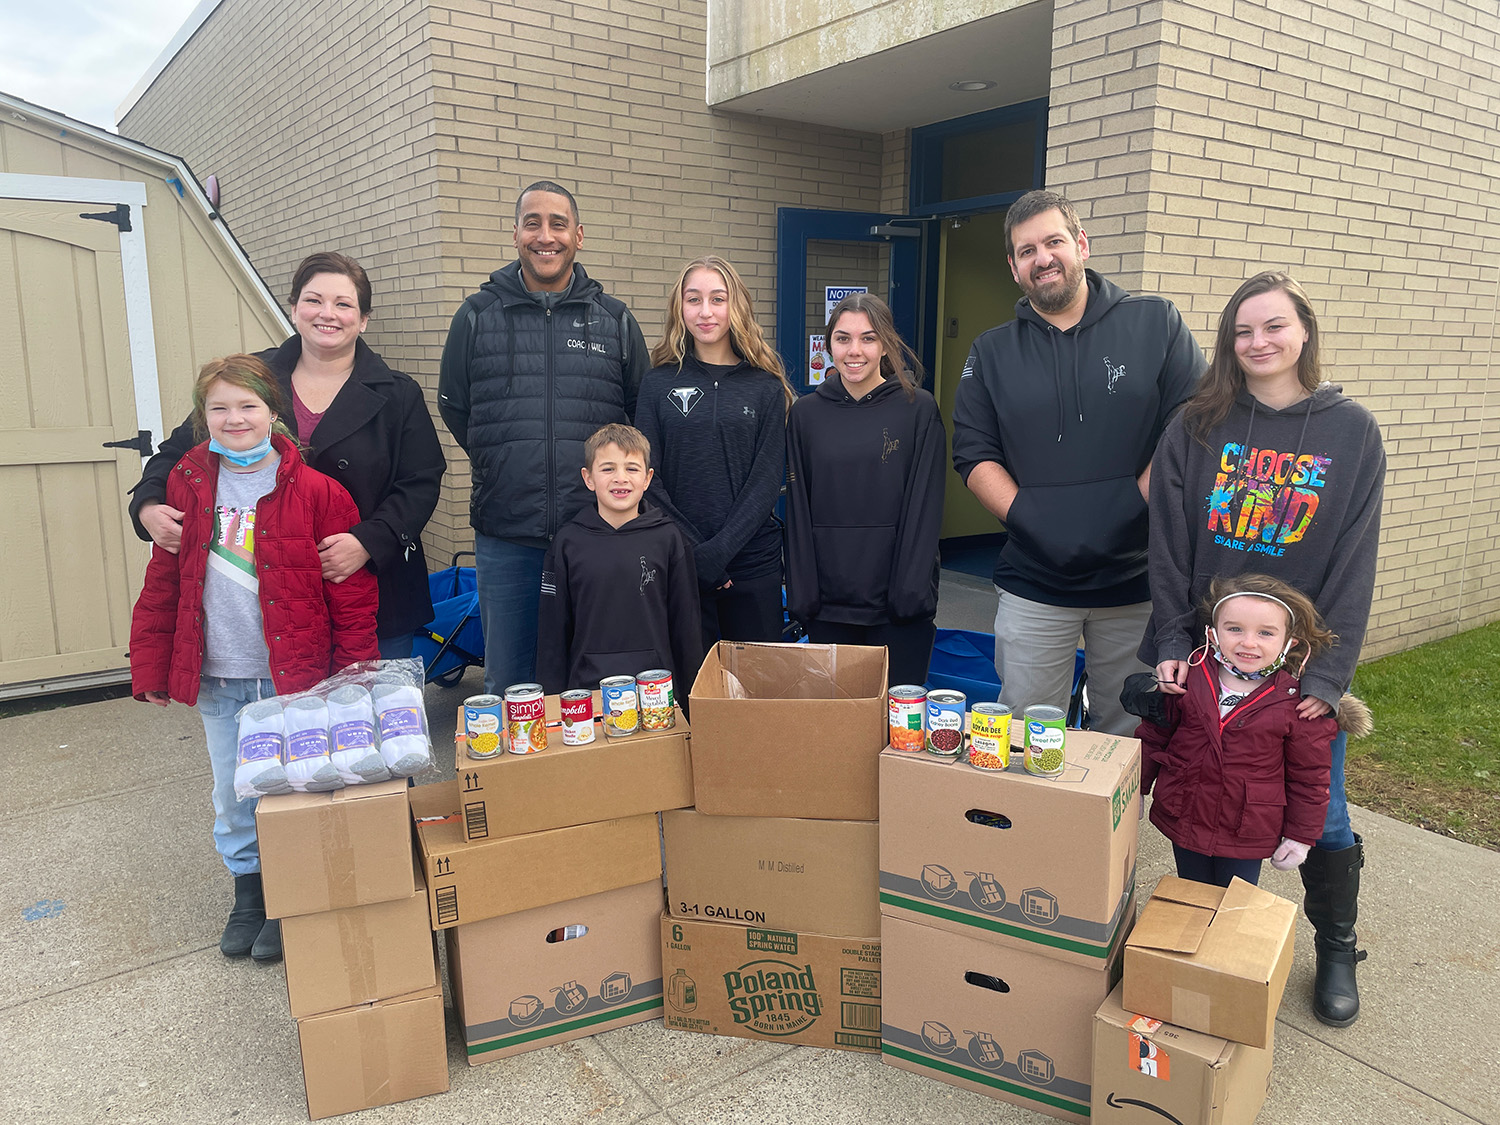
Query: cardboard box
x: 329, y: 851
x: 343, y: 958
x: 515, y: 990
x: 1003, y: 1020
x: 377, y: 1054
x: 789, y: 730
x: 468, y: 881
x: 1046, y: 863
x: 809, y: 875
x: 564, y: 785
x: 811, y: 989
x: 1147, y: 1072
x: 1211, y: 959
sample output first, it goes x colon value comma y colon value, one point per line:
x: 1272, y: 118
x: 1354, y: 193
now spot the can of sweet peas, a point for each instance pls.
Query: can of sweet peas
x: 1045, y: 754
x: 945, y: 722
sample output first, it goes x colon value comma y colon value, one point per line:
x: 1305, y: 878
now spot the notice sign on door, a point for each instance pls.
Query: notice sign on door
x: 833, y: 294
x: 817, y: 360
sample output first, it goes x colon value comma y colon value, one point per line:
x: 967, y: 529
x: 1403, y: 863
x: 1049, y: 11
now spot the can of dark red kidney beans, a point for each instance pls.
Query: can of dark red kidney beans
x: 945, y: 722
x: 577, y: 717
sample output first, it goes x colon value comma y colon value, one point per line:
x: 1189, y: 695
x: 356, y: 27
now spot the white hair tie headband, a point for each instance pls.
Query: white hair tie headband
x: 1290, y: 616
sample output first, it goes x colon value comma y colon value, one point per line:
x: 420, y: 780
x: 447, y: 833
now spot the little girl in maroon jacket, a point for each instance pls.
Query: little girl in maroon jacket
x: 241, y: 611
x: 1238, y: 775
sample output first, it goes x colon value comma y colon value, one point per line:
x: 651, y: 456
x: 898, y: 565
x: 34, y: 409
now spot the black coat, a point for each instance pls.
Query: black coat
x: 377, y: 440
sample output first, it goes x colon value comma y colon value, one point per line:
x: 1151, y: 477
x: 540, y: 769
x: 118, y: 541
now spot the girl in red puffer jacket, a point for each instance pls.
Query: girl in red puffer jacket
x: 1238, y: 775
x: 241, y: 611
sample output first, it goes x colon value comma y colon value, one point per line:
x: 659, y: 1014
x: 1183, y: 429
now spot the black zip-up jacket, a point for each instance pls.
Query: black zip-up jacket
x: 616, y: 602
x: 864, y: 505
x: 718, y: 444
x: 377, y: 440
x: 526, y: 377
x: 1074, y: 417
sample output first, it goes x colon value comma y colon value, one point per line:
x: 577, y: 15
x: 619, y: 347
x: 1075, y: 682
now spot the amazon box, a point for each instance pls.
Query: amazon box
x: 558, y: 972
x: 330, y: 851
x: 805, y: 875
x: 789, y: 730
x: 376, y: 1054
x: 344, y: 958
x: 1147, y: 1072
x: 1006, y: 1020
x: 470, y: 880
x: 1211, y: 959
x: 1044, y: 863
x: 562, y: 785
x: 782, y: 986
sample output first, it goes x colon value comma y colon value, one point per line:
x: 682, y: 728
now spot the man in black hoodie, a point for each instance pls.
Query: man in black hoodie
x: 535, y: 362
x: 1057, y: 415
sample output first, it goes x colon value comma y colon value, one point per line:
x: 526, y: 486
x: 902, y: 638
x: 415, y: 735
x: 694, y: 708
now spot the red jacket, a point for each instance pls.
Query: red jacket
x: 312, y: 627
x: 1235, y: 786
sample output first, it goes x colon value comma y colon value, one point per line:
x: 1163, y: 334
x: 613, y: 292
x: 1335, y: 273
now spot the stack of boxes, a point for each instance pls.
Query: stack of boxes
x: 361, y: 965
x: 543, y: 872
x: 1005, y: 903
x: 773, y: 928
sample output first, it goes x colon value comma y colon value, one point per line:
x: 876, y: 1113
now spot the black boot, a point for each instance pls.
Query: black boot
x: 246, y: 917
x: 267, y: 946
x: 1331, y: 880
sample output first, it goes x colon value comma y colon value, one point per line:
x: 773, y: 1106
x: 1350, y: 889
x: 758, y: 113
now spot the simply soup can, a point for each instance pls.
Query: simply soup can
x: 622, y: 714
x: 654, y: 689
x: 577, y: 717
x: 1044, y: 753
x: 526, y: 718
x: 483, y: 719
x: 945, y: 722
x: 908, y: 705
x: 989, y: 736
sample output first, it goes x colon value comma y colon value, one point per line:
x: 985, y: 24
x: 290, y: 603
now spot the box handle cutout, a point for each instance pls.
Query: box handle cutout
x: 987, y: 819
x: 566, y: 933
x: 984, y: 980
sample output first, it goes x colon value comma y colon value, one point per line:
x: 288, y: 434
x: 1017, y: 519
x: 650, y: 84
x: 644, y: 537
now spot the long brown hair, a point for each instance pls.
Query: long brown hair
x: 1306, y: 627
x: 745, y: 335
x: 1224, y: 380
x: 897, y: 360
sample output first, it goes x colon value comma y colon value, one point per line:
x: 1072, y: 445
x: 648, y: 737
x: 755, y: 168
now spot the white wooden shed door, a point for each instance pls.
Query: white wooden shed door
x: 70, y: 563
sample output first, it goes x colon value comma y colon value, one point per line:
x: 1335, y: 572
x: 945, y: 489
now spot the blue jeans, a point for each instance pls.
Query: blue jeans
x: 510, y: 593
x: 1338, y: 834
x: 395, y: 648
x: 234, y: 820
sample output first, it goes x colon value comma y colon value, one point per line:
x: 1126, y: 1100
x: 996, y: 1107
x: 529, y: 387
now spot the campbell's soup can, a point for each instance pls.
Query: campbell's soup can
x: 622, y: 715
x: 908, y: 705
x: 483, y: 718
x: 654, y: 689
x: 1045, y: 737
x: 945, y: 722
x: 577, y: 717
x: 989, y: 736
x: 526, y: 718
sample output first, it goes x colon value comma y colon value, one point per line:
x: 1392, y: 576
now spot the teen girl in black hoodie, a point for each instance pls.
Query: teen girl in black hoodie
x: 714, y: 409
x: 865, y: 455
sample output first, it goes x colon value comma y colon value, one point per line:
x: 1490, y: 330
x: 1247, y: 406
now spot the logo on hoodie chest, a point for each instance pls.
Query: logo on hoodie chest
x: 1113, y: 373
x: 685, y: 398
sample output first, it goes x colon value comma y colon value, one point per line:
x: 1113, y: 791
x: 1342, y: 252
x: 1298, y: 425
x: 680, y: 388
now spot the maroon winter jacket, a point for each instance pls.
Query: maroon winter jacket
x: 1233, y: 787
x: 312, y: 627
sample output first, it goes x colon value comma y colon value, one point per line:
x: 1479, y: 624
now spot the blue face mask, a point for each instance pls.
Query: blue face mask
x: 245, y: 459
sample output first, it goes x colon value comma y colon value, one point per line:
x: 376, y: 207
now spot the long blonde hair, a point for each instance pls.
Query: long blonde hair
x: 745, y: 335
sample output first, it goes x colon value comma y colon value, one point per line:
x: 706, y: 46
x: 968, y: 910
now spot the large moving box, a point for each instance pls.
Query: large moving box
x: 812, y: 989
x: 1042, y: 862
x: 606, y: 779
x: 1211, y: 959
x: 1005, y: 1020
x: 811, y: 875
x: 376, y: 1054
x: 1147, y: 1072
x: 328, y: 851
x: 520, y: 983
x: 789, y: 730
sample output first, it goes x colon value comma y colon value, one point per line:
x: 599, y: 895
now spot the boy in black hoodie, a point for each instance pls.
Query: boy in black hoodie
x: 619, y: 589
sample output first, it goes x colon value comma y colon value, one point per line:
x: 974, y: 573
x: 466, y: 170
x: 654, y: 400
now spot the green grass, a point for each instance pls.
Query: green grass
x: 1434, y: 757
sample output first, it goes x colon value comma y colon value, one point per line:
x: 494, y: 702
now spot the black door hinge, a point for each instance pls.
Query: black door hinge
x: 120, y: 216
x: 141, y: 443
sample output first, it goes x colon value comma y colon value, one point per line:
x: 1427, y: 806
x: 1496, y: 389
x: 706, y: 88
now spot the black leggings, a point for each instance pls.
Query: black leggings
x: 750, y: 610
x: 909, y: 645
x: 1215, y: 869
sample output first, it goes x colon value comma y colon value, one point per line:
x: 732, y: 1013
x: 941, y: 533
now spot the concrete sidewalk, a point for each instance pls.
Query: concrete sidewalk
x: 115, y: 1003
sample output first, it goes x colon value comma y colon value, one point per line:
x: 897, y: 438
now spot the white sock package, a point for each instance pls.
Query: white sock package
x: 404, y: 743
x: 351, y: 732
x: 258, y: 770
x: 308, y: 767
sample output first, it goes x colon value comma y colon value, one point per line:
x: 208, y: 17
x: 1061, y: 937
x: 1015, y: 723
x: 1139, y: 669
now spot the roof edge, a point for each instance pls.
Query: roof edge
x: 188, y: 29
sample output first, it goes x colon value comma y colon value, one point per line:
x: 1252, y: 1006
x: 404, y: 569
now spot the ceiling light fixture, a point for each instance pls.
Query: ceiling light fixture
x: 971, y: 85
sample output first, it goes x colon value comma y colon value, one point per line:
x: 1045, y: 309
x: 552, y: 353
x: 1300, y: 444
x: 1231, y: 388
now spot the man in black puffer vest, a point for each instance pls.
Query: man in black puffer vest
x: 535, y: 362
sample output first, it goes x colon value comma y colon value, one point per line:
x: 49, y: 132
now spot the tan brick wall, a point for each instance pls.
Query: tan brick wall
x: 1353, y: 144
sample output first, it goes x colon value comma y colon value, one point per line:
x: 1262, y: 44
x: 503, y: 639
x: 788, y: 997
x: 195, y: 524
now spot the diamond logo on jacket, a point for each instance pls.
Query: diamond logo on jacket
x: 685, y: 398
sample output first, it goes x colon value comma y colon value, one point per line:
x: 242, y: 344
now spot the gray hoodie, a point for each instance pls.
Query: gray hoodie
x: 1292, y: 493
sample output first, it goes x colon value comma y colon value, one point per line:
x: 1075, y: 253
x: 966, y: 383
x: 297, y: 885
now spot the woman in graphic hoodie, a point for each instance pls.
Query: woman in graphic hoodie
x: 1268, y: 469
x: 865, y: 457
